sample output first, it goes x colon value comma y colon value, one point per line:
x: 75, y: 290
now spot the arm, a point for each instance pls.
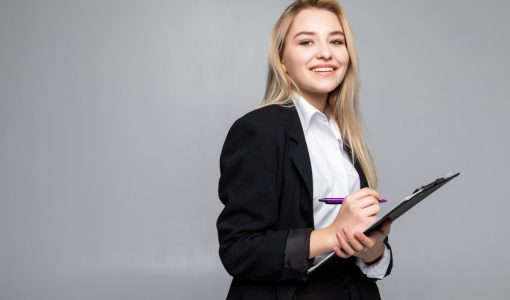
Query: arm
x: 250, y: 245
x: 378, y: 269
x: 345, y: 236
x: 374, y: 256
x: 359, y: 209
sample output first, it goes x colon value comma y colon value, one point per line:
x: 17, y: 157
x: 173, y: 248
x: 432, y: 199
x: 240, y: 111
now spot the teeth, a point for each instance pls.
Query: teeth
x: 322, y: 69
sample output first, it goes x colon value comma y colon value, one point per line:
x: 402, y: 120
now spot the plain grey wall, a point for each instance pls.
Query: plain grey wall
x: 113, y: 114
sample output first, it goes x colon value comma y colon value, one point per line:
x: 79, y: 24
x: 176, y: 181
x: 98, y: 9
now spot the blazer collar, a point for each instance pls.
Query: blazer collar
x: 299, y: 150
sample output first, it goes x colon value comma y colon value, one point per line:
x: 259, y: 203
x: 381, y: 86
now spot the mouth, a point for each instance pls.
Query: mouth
x: 323, y: 70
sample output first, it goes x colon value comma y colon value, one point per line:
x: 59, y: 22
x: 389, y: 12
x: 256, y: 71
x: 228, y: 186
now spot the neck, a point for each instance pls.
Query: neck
x: 319, y: 101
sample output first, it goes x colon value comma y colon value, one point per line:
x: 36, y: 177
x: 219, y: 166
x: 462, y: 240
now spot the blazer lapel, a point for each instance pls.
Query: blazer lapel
x: 299, y: 150
x: 297, y: 146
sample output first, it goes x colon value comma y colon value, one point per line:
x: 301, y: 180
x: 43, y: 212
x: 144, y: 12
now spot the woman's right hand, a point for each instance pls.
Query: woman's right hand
x: 358, y: 211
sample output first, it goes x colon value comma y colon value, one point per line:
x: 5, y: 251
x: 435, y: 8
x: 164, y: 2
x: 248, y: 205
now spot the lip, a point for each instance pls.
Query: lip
x: 324, y: 66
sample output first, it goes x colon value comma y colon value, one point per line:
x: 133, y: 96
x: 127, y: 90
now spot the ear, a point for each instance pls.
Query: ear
x: 283, y: 65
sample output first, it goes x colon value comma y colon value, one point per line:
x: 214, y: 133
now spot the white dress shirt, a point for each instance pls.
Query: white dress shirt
x: 332, y: 172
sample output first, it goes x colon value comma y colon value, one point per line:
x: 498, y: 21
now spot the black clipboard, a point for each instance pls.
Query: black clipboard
x: 407, y: 203
x: 411, y: 200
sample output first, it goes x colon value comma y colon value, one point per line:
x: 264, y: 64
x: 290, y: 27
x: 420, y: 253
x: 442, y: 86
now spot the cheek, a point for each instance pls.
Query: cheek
x: 303, y: 58
x: 296, y: 60
x: 343, y: 57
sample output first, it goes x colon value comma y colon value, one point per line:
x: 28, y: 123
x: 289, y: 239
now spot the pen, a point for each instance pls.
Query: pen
x: 340, y: 200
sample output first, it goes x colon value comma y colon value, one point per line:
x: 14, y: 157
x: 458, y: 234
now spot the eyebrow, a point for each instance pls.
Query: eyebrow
x: 313, y: 33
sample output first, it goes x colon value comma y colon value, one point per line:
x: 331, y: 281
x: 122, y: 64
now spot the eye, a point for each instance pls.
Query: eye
x: 338, y: 42
x: 305, y: 43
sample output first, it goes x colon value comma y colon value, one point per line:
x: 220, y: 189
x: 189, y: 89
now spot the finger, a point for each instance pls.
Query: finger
x: 365, y: 192
x: 344, y: 245
x: 386, y: 227
x: 366, y: 201
x: 372, y: 210
x: 353, y: 241
x: 367, y: 241
x: 340, y: 253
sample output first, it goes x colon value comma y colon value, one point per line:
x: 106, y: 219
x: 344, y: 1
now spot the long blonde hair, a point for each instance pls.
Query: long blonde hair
x: 343, y: 100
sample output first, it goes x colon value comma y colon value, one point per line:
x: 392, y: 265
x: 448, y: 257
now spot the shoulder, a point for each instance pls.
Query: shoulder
x: 259, y: 132
x: 267, y: 121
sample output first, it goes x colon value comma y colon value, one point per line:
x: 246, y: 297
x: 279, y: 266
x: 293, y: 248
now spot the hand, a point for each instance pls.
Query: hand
x: 368, y: 248
x: 358, y: 211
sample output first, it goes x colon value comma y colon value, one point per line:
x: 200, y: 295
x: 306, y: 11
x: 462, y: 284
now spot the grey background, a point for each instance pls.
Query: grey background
x: 113, y: 114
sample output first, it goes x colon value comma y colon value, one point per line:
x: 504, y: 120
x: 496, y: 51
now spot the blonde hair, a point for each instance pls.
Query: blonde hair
x: 343, y: 100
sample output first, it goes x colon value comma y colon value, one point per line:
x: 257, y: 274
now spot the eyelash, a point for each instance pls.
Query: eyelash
x: 336, y: 42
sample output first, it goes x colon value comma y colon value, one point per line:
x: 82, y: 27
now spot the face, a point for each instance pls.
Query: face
x: 315, y: 54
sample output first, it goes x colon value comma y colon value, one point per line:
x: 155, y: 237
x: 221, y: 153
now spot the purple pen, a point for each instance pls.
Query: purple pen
x: 340, y: 200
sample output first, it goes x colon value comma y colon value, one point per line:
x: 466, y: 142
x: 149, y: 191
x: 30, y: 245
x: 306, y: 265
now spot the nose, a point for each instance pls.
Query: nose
x: 323, y: 51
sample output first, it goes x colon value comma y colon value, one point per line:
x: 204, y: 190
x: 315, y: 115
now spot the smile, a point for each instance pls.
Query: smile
x: 322, y: 69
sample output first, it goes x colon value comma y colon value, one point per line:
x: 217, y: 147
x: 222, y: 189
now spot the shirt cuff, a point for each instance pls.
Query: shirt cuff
x: 378, y: 269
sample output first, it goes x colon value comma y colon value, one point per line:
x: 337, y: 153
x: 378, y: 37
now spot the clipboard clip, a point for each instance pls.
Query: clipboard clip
x: 433, y: 183
x: 424, y: 187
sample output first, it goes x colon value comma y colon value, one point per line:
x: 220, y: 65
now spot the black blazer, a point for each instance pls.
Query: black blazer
x: 266, y: 187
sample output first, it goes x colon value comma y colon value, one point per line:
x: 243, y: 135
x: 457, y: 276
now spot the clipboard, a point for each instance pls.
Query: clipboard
x: 406, y: 204
x: 416, y: 197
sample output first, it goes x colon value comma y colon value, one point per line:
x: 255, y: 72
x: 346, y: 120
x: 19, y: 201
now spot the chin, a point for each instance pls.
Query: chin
x: 325, y: 89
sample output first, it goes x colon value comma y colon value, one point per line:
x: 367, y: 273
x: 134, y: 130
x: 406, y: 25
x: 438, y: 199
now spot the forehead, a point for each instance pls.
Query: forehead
x: 315, y: 20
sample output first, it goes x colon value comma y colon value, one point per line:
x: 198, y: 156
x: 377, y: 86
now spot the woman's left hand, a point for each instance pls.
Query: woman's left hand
x: 368, y: 248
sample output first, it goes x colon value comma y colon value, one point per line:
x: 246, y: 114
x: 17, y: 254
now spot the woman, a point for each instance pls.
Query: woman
x: 304, y: 144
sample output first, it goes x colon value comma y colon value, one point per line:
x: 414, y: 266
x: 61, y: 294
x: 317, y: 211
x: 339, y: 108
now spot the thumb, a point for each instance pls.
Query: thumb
x: 385, y: 229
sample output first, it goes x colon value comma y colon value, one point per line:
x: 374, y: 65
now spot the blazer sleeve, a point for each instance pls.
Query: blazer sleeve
x: 251, y: 246
x: 387, y: 243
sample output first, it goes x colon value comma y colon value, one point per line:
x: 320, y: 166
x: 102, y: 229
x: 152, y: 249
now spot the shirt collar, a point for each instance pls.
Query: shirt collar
x: 306, y: 112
